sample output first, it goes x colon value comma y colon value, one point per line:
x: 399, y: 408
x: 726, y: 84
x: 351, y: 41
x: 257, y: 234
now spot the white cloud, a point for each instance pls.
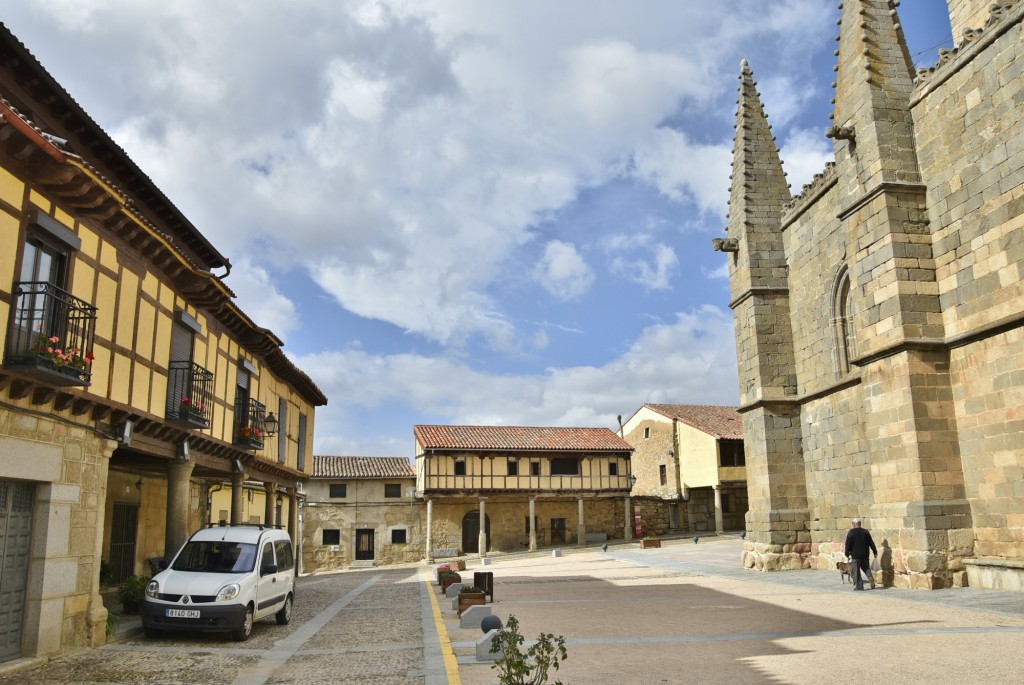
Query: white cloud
x: 261, y: 300
x: 406, y: 153
x: 691, y: 360
x: 682, y: 170
x: 654, y: 273
x: 562, y: 271
x: 804, y: 154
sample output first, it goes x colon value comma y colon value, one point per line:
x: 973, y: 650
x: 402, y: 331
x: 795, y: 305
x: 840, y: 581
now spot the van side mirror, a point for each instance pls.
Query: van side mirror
x: 268, y: 569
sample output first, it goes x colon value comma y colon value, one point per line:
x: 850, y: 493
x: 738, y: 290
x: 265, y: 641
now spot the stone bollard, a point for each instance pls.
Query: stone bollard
x: 556, y: 552
x: 483, y: 647
x: 486, y: 561
x: 453, y: 590
x: 473, y: 615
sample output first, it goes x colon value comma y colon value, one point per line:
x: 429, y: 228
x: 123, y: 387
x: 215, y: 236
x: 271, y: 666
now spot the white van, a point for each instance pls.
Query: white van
x: 223, y: 579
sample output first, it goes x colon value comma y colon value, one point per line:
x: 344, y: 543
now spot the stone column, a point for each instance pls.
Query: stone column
x: 176, y: 531
x: 268, y: 505
x: 293, y: 516
x: 719, y: 526
x: 581, y: 527
x: 430, y: 531
x: 533, y: 524
x: 629, y: 518
x: 97, y: 614
x: 236, y: 497
x: 482, y: 537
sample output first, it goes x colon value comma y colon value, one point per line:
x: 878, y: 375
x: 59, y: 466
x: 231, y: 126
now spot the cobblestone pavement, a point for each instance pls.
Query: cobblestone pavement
x: 357, y: 627
x: 683, y: 613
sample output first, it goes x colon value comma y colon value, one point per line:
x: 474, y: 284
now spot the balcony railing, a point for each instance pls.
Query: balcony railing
x: 249, y: 415
x: 189, y: 394
x: 51, y: 335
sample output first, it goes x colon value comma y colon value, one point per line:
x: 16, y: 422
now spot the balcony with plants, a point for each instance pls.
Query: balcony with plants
x: 51, y: 335
x: 189, y: 394
x: 249, y: 423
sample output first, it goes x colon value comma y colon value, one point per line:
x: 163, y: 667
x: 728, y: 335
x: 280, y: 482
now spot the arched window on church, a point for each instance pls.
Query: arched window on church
x: 845, y: 347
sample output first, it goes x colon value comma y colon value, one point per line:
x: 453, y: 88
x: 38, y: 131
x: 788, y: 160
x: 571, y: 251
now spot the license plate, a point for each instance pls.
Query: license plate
x: 182, y: 613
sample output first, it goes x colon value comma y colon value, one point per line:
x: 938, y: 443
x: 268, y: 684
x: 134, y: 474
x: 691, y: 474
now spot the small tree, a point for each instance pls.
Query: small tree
x: 530, y: 668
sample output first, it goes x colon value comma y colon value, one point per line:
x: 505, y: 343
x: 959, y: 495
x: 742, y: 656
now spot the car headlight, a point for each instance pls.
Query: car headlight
x: 228, y: 592
x: 153, y: 589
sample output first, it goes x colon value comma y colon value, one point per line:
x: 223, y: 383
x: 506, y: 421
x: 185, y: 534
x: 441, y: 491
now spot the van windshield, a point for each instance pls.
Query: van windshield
x: 216, y: 556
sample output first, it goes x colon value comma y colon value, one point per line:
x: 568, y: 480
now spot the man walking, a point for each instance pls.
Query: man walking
x: 858, y: 542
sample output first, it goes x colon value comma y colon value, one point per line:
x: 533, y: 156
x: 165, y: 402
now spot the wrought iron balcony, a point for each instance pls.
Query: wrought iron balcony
x: 51, y: 335
x: 249, y: 431
x: 189, y: 394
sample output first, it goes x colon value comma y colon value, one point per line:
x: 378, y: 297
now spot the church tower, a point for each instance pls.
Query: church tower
x: 915, y: 493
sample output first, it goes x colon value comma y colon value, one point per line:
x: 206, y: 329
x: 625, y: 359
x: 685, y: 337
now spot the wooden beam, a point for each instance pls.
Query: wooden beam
x: 20, y: 389
x: 63, y: 401
x: 43, y: 395
x: 81, y: 406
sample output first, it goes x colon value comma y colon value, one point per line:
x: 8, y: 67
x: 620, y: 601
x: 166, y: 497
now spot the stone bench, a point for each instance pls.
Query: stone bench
x: 994, y: 573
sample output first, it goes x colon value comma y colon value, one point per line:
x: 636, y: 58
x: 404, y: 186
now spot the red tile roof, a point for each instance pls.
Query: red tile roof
x: 721, y: 422
x: 519, y: 438
x: 362, y: 467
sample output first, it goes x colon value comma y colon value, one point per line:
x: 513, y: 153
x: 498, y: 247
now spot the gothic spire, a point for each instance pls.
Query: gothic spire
x: 759, y: 189
x: 872, y: 121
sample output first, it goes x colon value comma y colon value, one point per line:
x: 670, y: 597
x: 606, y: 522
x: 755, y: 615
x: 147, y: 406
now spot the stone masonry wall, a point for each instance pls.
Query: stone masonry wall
x: 346, y: 518
x: 971, y: 148
x: 989, y: 399
x: 68, y: 464
x: 649, y: 455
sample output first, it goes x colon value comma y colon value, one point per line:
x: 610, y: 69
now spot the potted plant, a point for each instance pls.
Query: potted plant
x: 470, y: 596
x: 447, y: 578
x: 516, y: 667
x: 131, y: 592
x: 650, y: 541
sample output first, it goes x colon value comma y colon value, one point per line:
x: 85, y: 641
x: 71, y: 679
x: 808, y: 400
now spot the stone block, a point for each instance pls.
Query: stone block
x: 483, y: 647
x: 556, y: 553
x: 473, y: 615
x: 453, y: 590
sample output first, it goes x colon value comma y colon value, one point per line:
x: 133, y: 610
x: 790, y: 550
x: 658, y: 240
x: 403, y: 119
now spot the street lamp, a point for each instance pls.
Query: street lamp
x: 270, y: 424
x: 632, y: 481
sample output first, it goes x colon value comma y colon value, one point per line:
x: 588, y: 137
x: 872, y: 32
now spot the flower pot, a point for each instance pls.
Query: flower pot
x: 449, y: 578
x: 649, y: 544
x: 468, y: 599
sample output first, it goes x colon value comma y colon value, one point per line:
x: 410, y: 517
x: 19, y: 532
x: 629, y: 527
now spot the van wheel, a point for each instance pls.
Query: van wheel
x: 245, y: 630
x: 285, y: 614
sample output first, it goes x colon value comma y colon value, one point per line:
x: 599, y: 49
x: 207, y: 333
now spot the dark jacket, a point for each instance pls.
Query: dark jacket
x: 858, y: 542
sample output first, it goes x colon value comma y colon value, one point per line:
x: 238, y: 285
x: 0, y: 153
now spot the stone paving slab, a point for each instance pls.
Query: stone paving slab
x: 688, y: 612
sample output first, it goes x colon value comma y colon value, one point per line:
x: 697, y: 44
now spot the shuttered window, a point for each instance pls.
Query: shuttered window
x: 282, y: 431
x: 301, y: 464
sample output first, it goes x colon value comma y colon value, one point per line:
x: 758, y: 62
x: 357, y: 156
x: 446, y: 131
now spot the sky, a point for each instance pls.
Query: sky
x: 463, y: 211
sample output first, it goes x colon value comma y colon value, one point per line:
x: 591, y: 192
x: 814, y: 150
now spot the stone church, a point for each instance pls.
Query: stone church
x: 880, y: 312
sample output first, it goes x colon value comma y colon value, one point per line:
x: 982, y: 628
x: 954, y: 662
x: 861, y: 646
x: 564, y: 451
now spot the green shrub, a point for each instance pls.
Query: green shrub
x: 516, y: 667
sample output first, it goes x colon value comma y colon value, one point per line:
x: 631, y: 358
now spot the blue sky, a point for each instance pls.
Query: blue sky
x: 456, y: 211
